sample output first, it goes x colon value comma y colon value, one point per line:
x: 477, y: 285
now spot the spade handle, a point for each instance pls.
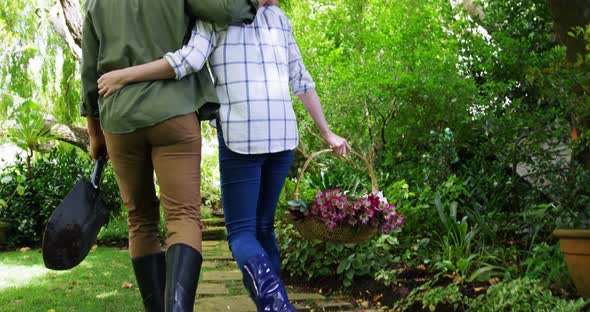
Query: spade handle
x: 97, y: 172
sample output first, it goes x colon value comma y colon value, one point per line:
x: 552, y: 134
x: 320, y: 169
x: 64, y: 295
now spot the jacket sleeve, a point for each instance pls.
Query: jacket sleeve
x: 89, y: 70
x: 224, y: 12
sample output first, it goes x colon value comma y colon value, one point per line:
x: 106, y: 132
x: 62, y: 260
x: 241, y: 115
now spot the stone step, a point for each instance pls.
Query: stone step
x: 211, y: 289
x: 322, y: 305
x: 214, y: 233
x: 218, y: 213
x: 332, y: 305
x: 213, y: 293
x: 226, y: 303
x: 301, y: 307
x: 245, y: 304
x: 305, y: 296
x: 304, y: 302
x: 217, y: 257
x: 208, y: 264
x: 215, y: 244
x: 222, y: 276
x: 213, y: 222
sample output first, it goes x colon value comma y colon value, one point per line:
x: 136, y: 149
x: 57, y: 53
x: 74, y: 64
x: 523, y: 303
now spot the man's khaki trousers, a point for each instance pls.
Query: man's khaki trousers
x: 173, y: 149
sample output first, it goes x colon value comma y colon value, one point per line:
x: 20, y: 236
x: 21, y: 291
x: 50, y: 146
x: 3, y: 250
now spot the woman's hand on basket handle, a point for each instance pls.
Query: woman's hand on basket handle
x: 338, y: 144
x: 311, y: 101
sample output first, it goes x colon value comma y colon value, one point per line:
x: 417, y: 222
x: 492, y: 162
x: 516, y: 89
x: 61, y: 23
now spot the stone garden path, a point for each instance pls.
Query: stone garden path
x: 220, y: 285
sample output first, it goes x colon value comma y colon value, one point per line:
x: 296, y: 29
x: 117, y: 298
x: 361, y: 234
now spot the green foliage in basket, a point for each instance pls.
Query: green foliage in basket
x: 298, y: 205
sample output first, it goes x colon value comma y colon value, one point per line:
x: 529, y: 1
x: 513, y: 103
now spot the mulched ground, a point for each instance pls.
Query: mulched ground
x: 366, y: 291
x: 375, y: 294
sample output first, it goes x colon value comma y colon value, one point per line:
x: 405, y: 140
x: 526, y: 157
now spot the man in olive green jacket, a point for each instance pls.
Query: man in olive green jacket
x: 153, y: 126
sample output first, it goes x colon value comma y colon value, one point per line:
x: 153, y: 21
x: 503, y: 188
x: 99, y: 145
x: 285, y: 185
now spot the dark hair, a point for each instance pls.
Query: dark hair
x: 191, y: 23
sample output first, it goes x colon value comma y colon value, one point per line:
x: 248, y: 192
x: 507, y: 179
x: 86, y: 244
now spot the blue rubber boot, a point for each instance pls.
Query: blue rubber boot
x: 265, y: 287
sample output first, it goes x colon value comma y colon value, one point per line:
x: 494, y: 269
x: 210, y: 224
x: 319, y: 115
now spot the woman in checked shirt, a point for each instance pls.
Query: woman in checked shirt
x: 254, y: 67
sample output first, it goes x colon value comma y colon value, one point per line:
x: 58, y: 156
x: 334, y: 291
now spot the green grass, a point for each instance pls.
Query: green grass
x: 94, y: 285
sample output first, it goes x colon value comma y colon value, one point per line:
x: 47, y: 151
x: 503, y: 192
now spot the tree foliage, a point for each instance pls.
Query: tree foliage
x: 429, y: 90
x: 379, y: 62
x: 34, y: 63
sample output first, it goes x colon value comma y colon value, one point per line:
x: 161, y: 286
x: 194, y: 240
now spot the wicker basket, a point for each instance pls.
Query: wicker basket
x: 312, y: 229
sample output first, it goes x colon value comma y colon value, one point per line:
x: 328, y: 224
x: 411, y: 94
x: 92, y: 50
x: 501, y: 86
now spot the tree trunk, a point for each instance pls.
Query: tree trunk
x: 73, y: 17
x: 568, y: 14
x: 475, y: 10
x: 72, y: 134
x: 66, y: 18
x: 75, y: 135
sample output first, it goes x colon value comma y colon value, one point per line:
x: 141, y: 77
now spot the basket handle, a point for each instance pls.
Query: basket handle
x: 314, y: 155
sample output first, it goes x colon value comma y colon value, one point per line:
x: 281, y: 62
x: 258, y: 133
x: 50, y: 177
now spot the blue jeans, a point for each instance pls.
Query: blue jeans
x: 250, y: 189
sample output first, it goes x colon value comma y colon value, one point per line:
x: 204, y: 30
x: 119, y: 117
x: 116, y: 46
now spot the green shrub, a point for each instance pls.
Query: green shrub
x: 433, y: 298
x: 117, y: 230
x: 546, y: 263
x: 27, y: 202
x: 312, y: 259
x: 210, y: 187
x: 523, y: 295
x: 460, y: 250
x: 449, y: 295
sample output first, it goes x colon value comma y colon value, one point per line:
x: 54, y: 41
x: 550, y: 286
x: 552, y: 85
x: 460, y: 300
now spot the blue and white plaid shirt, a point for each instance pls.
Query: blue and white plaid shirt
x: 253, y: 66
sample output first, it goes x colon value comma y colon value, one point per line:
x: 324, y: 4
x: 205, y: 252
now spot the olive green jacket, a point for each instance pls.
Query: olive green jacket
x: 118, y: 34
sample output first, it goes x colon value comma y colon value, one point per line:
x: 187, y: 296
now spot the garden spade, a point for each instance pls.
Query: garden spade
x: 74, y: 224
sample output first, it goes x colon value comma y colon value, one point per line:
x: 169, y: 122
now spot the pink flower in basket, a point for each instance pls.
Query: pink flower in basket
x: 333, y: 207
